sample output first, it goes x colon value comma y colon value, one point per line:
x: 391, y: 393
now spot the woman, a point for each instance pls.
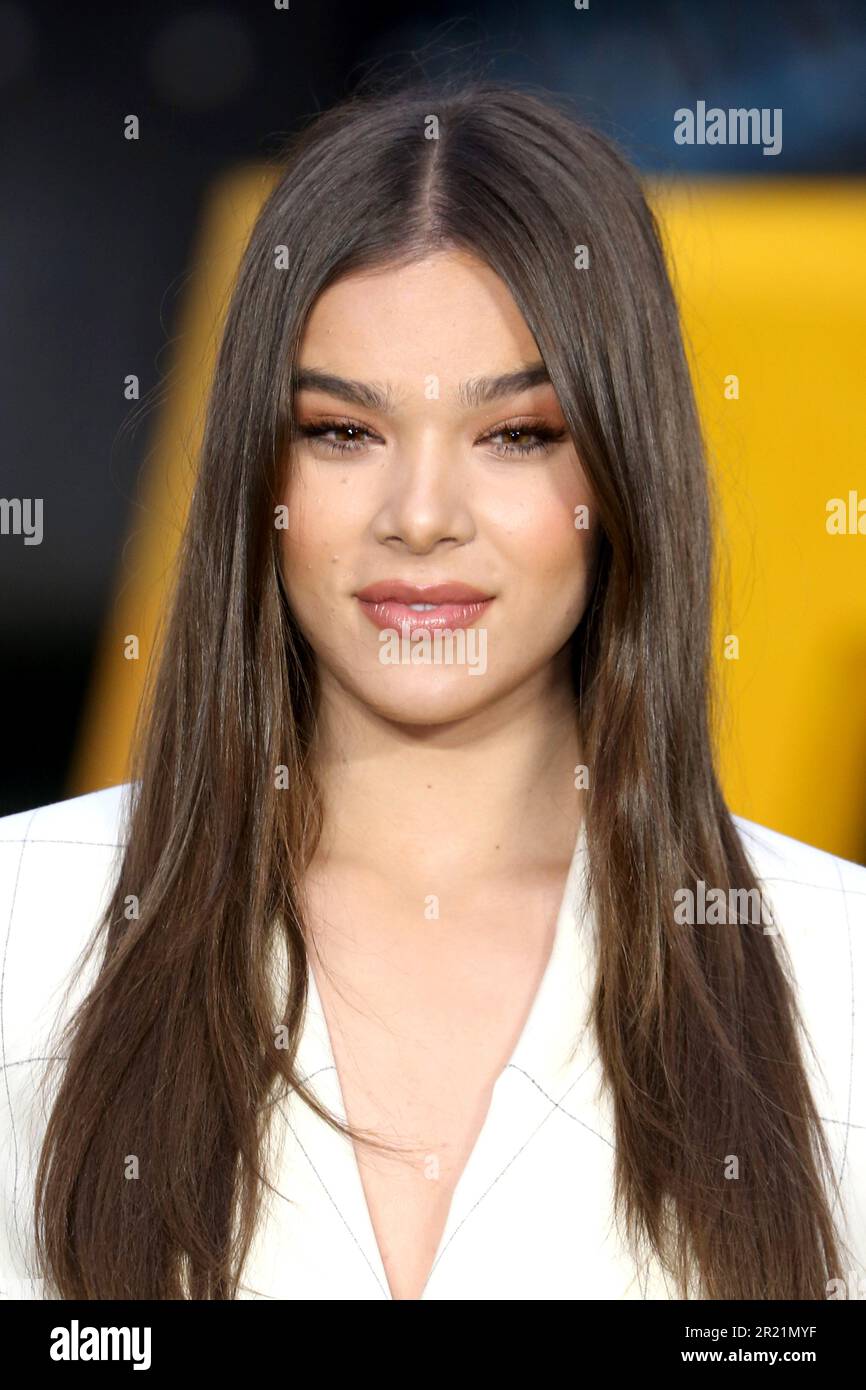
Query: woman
x: 409, y: 987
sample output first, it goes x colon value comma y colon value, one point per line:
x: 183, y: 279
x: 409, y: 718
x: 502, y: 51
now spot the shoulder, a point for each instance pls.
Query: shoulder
x: 818, y: 905
x: 782, y: 860
x: 57, y: 868
x: 58, y: 864
x: 93, y: 819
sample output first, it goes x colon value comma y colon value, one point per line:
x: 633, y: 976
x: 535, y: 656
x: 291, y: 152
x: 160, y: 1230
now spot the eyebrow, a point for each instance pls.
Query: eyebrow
x: 475, y: 392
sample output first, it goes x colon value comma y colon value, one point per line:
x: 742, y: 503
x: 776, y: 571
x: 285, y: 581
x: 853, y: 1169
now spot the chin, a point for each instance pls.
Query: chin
x: 423, y: 698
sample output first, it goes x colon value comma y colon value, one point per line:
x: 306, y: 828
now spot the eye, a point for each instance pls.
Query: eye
x: 524, y: 437
x: 515, y: 438
x: 356, y: 436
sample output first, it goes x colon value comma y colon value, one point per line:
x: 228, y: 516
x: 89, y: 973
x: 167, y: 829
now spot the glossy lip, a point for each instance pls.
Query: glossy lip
x: 387, y: 605
x: 401, y: 592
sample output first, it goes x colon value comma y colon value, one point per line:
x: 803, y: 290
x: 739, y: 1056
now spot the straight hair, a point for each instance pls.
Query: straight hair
x: 172, y: 1055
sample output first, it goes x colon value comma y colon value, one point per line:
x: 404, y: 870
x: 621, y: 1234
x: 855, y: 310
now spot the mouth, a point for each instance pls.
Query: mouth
x: 394, y: 604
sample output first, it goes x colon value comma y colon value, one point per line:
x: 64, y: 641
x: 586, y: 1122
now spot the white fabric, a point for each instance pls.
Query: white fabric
x: 531, y: 1217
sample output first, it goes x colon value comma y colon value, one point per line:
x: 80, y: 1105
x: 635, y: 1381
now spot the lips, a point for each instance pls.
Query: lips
x: 388, y: 604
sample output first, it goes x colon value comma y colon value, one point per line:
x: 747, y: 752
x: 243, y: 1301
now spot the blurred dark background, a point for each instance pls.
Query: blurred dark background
x: 96, y: 231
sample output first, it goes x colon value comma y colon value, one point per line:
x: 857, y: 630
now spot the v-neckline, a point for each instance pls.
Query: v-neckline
x: 548, y: 1042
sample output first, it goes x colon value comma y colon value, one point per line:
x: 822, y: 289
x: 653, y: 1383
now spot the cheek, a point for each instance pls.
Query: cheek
x: 551, y: 541
x: 311, y: 533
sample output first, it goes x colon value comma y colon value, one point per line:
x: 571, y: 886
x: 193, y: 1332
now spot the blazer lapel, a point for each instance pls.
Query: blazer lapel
x: 316, y: 1240
x: 554, y: 1064
x: 318, y: 1233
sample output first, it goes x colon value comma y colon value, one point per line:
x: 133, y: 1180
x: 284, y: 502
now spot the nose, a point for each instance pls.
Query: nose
x: 426, y: 499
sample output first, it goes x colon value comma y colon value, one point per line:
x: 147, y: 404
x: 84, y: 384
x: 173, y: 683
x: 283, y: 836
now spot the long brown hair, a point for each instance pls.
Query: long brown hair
x: 172, y: 1055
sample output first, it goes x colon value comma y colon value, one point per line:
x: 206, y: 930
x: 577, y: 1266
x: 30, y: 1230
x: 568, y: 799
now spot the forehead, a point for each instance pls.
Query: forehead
x: 448, y: 315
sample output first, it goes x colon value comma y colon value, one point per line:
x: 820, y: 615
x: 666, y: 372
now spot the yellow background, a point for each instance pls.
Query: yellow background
x: 771, y: 279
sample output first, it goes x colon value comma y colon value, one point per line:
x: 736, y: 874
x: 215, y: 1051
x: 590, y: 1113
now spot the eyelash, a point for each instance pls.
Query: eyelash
x: 544, y: 435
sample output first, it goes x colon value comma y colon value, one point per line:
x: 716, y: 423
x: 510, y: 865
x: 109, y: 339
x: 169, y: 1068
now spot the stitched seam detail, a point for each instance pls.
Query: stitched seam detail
x: 3, y: 1034
x: 29, y: 840
x: 330, y: 1197
x: 851, y: 1055
x: 554, y: 1106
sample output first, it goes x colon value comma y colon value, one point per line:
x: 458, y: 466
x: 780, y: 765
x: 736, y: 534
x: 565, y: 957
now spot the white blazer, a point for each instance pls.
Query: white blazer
x: 531, y: 1217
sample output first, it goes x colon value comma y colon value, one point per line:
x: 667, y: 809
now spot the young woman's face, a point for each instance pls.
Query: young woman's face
x: 416, y: 466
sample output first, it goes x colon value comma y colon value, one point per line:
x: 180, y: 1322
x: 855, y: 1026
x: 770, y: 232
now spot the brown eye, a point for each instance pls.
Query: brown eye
x: 520, y: 439
x: 355, y: 436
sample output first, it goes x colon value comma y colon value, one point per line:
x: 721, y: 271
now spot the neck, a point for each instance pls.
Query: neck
x: 492, y: 791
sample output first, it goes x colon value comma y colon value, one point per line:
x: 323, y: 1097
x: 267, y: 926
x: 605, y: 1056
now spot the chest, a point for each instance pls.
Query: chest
x: 422, y: 1017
